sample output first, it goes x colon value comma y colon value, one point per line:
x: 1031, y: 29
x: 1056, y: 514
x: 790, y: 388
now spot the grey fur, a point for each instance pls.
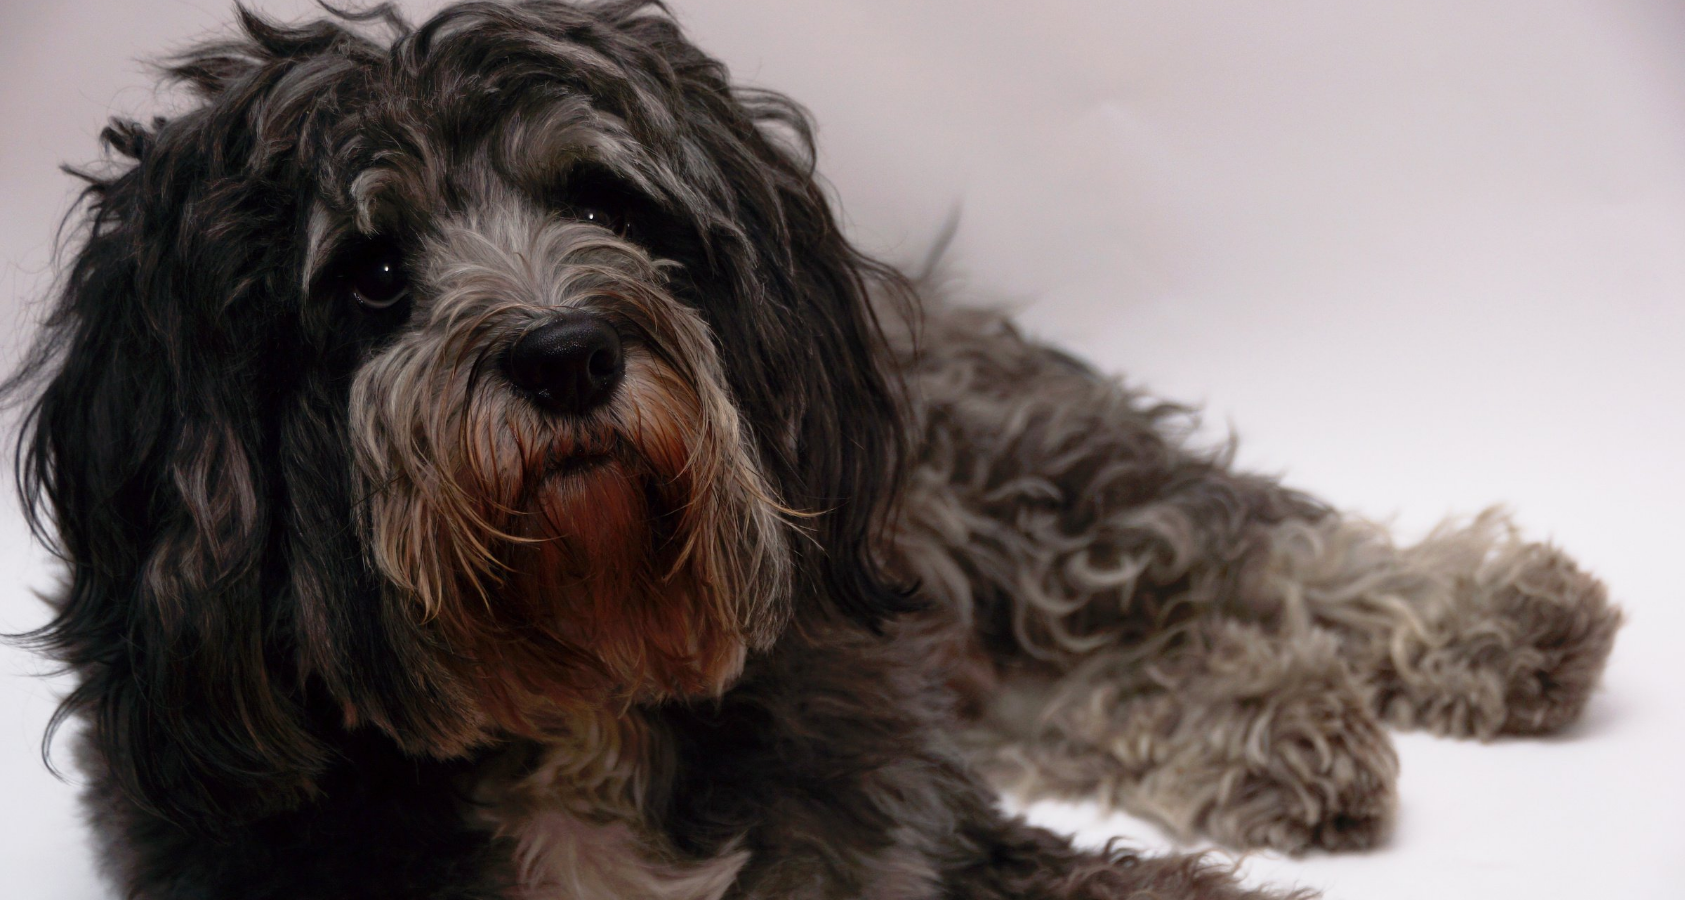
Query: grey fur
x: 1197, y: 645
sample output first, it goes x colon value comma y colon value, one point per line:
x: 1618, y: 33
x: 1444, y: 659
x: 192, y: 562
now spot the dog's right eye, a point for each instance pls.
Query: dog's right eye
x: 376, y: 277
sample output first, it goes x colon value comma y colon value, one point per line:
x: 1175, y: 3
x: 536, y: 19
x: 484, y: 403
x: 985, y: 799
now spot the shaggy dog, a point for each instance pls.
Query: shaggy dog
x: 483, y: 469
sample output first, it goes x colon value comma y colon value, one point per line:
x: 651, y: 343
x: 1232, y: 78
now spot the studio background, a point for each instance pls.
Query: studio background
x: 1422, y: 256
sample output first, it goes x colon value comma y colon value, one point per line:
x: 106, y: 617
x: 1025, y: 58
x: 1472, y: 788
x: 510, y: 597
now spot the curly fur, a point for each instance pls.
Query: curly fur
x: 354, y: 616
x: 1204, y: 647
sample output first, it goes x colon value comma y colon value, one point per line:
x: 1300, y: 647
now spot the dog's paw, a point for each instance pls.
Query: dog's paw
x: 1520, y: 655
x: 1332, y: 789
x: 1275, y: 750
x: 1564, y: 628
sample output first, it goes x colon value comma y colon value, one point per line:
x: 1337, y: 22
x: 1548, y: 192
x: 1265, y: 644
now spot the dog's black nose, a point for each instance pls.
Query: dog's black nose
x: 571, y: 363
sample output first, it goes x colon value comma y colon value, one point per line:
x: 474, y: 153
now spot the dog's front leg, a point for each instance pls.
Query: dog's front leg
x: 1472, y: 632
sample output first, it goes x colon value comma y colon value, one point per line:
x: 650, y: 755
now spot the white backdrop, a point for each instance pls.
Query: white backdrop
x: 1422, y: 255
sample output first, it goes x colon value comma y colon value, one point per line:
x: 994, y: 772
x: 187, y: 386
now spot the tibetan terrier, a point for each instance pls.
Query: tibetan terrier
x: 483, y: 469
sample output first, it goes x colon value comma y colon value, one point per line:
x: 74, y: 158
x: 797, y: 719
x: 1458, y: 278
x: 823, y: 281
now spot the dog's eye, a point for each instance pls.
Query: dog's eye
x: 601, y: 217
x: 377, y: 278
x: 597, y: 197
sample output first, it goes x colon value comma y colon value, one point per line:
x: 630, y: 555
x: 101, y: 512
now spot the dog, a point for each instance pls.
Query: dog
x: 483, y: 468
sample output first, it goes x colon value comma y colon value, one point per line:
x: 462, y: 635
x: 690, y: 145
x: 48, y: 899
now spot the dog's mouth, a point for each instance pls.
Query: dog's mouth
x: 582, y: 458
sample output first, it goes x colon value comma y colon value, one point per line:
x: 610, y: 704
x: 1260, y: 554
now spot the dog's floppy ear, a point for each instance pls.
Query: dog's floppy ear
x: 827, y: 370
x: 188, y: 447
x: 144, y: 453
x: 799, y: 337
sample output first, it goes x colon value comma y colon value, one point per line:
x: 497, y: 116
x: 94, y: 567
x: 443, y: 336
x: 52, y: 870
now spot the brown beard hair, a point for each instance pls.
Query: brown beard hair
x: 592, y: 566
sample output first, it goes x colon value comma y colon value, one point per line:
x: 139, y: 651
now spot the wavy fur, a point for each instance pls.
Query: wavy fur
x: 352, y: 615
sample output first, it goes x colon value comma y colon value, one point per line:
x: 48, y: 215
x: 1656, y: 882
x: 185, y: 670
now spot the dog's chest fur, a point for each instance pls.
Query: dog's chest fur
x: 577, y: 825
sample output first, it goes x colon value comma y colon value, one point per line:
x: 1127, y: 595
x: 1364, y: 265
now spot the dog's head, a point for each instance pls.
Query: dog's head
x: 447, y: 385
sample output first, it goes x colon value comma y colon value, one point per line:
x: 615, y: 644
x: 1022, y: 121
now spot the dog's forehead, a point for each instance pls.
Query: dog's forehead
x: 452, y: 131
x: 435, y: 169
x: 417, y: 155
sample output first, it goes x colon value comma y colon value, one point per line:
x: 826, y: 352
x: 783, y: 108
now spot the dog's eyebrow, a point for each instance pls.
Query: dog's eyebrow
x: 327, y: 230
x: 543, y: 149
x: 323, y: 233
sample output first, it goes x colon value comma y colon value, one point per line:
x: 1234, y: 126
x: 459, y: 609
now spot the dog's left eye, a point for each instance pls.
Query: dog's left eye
x: 600, y: 217
x: 377, y: 279
x: 596, y: 197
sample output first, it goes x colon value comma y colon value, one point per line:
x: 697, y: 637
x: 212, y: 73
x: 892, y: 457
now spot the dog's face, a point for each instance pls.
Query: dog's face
x: 554, y: 473
x: 448, y: 387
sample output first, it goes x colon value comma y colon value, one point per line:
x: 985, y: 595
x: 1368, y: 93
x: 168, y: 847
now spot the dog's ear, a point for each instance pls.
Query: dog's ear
x: 187, y: 446
x: 144, y: 453
x: 825, y: 367
x: 792, y: 306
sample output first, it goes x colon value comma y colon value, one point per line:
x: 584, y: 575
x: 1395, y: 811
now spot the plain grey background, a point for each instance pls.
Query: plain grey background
x: 1422, y: 255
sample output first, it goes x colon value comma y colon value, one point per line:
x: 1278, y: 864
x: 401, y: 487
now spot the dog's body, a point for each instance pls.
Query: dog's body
x: 484, y: 470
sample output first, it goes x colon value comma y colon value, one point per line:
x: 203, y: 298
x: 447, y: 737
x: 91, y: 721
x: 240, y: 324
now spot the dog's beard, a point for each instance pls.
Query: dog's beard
x: 629, y: 554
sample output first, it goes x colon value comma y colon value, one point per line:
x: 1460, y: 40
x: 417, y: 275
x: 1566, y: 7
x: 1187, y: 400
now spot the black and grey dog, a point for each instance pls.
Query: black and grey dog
x: 483, y: 469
